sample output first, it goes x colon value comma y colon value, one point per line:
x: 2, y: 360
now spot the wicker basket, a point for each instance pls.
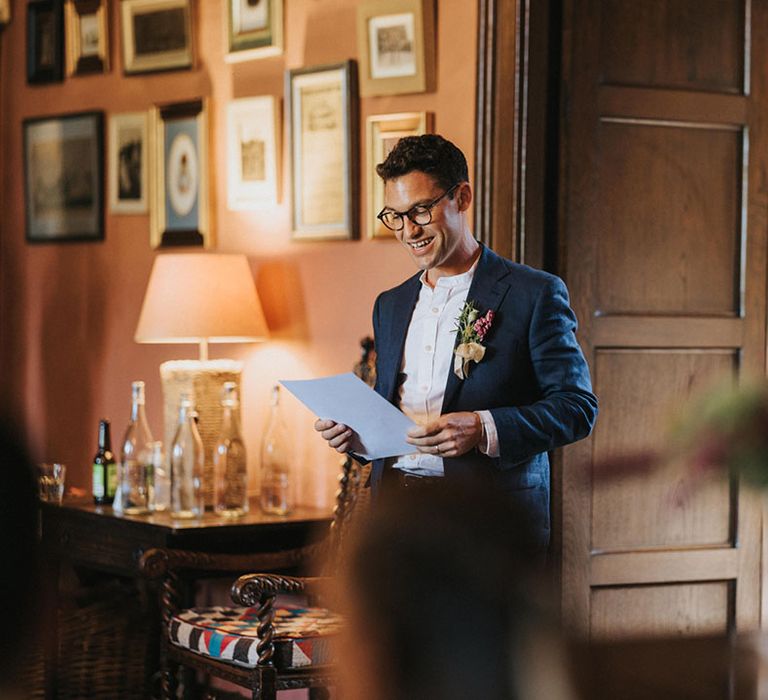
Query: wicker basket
x: 203, y: 381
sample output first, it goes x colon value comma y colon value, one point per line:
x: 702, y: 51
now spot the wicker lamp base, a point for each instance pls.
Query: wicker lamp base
x: 203, y: 381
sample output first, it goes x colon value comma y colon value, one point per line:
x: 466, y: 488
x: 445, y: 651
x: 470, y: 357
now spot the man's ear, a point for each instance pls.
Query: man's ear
x: 463, y: 196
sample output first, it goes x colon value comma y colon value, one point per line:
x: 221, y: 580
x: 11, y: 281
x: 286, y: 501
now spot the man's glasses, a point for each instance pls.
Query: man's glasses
x: 420, y: 215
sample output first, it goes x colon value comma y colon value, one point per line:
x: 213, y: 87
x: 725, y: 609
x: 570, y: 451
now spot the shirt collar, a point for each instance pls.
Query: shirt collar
x: 462, y: 279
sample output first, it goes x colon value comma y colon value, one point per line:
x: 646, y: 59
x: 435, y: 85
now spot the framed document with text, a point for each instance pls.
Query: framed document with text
x: 322, y: 108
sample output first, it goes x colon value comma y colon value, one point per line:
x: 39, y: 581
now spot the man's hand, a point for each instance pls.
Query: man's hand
x: 338, y: 435
x: 451, y: 435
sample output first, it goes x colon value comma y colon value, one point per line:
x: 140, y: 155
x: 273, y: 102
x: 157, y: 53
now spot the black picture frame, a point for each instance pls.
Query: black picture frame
x: 64, y: 178
x: 45, y: 41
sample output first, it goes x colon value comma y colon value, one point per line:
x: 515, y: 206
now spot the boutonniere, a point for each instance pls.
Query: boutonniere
x: 472, y: 329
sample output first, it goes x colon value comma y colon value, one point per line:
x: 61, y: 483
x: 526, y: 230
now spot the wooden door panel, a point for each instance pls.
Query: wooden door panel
x: 681, y: 254
x: 641, y: 392
x: 689, y: 44
x: 663, y: 232
x: 660, y: 611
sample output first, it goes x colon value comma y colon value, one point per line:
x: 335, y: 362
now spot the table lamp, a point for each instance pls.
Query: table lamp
x: 200, y: 298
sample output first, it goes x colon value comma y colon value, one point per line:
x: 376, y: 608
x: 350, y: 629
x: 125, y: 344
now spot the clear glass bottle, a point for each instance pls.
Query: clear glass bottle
x: 135, y: 466
x: 276, y: 485
x: 186, y: 464
x: 229, y: 459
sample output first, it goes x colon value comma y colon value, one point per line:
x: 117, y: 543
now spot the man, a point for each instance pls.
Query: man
x: 519, y: 385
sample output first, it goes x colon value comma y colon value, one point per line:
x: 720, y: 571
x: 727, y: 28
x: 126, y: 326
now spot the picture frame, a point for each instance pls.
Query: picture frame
x: 323, y: 108
x: 45, y: 41
x: 128, y: 163
x: 383, y: 131
x: 156, y: 35
x: 252, y: 152
x: 5, y: 12
x: 87, y: 37
x: 179, y: 214
x: 396, y: 45
x: 63, y: 177
x: 254, y: 29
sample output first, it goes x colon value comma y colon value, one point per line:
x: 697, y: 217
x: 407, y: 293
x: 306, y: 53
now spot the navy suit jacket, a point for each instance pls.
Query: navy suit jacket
x: 533, y: 379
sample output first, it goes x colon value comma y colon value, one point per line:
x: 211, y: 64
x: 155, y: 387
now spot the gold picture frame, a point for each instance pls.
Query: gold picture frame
x: 383, y: 131
x: 323, y: 108
x: 156, y: 35
x: 5, y: 11
x: 87, y: 38
x: 179, y: 213
x: 254, y: 30
x: 396, y: 45
x: 253, y: 152
x: 129, y: 153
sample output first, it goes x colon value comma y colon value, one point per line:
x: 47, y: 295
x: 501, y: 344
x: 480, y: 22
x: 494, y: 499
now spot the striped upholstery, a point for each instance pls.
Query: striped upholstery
x: 301, y: 636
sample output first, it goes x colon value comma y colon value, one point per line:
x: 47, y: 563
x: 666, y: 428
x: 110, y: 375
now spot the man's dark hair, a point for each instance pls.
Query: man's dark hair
x: 430, y: 154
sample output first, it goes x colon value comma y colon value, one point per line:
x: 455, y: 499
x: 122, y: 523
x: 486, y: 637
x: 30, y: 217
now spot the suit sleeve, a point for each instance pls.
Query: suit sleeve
x: 567, y: 409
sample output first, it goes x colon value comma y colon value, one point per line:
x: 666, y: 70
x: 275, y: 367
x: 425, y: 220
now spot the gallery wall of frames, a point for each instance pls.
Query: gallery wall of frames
x: 132, y: 128
x: 158, y: 161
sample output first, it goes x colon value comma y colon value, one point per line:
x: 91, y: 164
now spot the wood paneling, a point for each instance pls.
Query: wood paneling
x: 695, y: 44
x: 681, y: 254
x: 641, y: 391
x: 659, y: 611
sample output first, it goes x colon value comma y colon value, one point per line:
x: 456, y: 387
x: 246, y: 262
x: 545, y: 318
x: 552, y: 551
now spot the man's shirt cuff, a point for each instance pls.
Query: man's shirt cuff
x: 489, y: 442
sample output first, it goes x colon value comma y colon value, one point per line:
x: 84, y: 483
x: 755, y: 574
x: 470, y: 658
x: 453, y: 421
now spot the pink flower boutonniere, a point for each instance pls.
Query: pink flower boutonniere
x: 472, y: 328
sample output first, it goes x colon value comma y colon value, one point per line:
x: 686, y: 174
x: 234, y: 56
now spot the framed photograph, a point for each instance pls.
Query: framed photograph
x: 128, y: 168
x: 179, y: 212
x: 252, y: 152
x: 45, y: 41
x: 383, y: 131
x: 396, y: 45
x: 63, y: 178
x: 5, y: 11
x: 156, y: 34
x: 254, y: 29
x: 324, y: 151
x: 87, y: 37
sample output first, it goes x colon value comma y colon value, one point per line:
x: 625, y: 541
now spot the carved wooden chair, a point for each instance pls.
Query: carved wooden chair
x: 258, y: 645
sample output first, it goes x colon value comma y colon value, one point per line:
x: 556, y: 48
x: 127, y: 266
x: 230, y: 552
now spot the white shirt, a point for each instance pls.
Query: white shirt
x: 427, y: 360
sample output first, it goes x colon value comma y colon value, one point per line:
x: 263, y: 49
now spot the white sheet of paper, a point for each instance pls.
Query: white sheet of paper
x: 347, y: 399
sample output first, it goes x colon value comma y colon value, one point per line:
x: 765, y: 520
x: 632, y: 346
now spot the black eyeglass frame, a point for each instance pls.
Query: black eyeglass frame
x: 411, y: 216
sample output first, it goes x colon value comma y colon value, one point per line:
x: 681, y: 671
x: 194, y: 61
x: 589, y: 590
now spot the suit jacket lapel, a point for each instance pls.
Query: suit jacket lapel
x: 397, y: 327
x: 487, y: 291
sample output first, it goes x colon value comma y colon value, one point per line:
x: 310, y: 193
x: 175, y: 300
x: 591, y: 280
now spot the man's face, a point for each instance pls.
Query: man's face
x: 438, y: 243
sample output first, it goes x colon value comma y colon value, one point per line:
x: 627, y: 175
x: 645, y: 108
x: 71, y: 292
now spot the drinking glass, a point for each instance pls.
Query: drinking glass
x: 50, y: 480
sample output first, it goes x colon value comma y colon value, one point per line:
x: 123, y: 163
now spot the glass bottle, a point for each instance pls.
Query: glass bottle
x: 104, y: 468
x: 229, y: 459
x: 186, y: 464
x: 135, y: 455
x: 160, y: 493
x: 275, y: 463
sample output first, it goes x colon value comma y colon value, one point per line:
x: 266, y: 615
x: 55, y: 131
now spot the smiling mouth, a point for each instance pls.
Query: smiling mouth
x: 421, y: 244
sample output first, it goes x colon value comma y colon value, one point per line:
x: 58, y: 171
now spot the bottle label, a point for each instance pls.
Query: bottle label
x: 98, y: 480
x: 111, y: 479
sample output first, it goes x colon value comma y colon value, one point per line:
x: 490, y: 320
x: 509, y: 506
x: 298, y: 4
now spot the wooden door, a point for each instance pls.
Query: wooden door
x: 663, y: 229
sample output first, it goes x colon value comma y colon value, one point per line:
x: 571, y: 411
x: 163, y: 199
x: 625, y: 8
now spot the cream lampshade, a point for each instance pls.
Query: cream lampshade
x: 200, y: 298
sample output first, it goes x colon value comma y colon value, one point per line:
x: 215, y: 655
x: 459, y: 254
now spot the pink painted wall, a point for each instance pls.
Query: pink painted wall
x: 68, y: 312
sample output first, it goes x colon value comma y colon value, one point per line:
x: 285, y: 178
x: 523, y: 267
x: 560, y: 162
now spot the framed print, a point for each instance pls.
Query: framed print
x: 87, y: 41
x: 45, y: 41
x: 324, y: 151
x: 254, y: 29
x: 383, y: 131
x: 252, y: 148
x: 156, y: 34
x: 179, y: 214
x: 128, y: 157
x: 396, y: 44
x: 5, y: 11
x: 63, y: 178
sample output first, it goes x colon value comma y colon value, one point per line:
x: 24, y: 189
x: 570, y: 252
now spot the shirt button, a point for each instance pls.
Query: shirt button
x: 411, y: 457
x: 424, y: 387
x: 428, y: 348
x: 435, y: 310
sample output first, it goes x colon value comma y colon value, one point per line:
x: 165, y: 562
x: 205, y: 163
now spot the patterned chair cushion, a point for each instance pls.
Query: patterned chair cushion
x: 301, y: 636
